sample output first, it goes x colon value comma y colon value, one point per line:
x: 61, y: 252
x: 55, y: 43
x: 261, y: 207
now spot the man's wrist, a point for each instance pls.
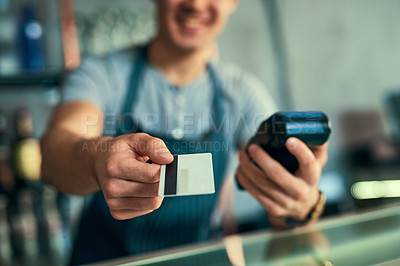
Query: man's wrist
x: 312, y: 216
x: 284, y: 222
x: 92, y: 148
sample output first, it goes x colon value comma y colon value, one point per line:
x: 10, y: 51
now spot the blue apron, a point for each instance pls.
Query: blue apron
x: 179, y: 220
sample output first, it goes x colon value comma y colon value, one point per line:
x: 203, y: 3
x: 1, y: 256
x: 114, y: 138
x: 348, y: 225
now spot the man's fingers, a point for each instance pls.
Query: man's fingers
x: 249, y: 167
x: 125, y: 167
x: 321, y: 153
x: 127, y: 214
x: 257, y: 177
x: 116, y: 188
x: 135, y: 150
x: 154, y: 148
x: 307, y: 161
x: 276, y: 172
x: 269, y: 204
x: 130, y: 207
x: 303, y: 154
x: 135, y: 203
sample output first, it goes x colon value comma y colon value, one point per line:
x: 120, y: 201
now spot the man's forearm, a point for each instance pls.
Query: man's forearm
x: 68, y: 161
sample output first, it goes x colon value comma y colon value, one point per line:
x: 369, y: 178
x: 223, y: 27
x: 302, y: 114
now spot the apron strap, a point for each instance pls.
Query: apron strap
x: 125, y: 122
x: 135, y: 79
x: 218, y: 111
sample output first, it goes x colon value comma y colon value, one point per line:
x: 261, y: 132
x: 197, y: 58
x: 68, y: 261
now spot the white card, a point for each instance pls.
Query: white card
x: 188, y: 174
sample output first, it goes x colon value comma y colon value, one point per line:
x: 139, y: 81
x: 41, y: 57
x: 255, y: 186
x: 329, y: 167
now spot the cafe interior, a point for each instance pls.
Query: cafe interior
x: 341, y: 58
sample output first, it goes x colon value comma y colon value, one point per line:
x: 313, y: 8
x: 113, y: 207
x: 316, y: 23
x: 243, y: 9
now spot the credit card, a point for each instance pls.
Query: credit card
x: 188, y: 174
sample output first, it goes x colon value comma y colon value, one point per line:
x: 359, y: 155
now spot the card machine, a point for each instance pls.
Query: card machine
x: 312, y: 127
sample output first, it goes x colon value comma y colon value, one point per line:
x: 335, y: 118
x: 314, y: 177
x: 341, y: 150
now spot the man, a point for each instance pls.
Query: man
x: 173, y: 91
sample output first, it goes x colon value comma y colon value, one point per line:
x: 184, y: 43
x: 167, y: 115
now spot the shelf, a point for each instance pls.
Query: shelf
x: 37, y: 35
x: 47, y: 78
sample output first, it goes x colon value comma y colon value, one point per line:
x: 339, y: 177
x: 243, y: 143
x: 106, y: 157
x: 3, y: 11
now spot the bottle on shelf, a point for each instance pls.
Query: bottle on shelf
x: 26, y: 160
x: 5, y: 247
x: 6, y: 176
x: 27, y: 156
x: 31, y: 39
x: 8, y: 205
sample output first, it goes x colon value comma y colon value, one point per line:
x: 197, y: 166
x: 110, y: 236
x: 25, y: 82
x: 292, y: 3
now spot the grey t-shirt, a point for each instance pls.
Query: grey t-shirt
x: 163, y: 109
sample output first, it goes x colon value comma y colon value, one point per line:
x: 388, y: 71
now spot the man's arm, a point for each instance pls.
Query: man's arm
x: 68, y: 148
x: 77, y: 160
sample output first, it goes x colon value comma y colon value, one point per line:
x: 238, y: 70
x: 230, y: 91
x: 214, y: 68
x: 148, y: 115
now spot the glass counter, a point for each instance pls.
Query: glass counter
x: 363, y: 238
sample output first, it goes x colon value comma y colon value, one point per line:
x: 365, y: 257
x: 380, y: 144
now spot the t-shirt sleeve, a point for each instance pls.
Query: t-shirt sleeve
x: 257, y: 104
x: 89, y: 82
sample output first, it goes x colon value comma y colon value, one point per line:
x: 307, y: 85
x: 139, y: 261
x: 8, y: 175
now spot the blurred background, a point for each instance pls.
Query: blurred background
x: 340, y: 57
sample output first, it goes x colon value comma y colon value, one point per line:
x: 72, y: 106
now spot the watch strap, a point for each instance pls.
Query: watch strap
x: 313, y: 215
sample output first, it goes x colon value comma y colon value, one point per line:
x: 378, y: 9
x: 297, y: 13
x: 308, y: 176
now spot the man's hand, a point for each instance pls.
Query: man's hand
x: 129, y: 184
x: 278, y: 191
x: 78, y: 160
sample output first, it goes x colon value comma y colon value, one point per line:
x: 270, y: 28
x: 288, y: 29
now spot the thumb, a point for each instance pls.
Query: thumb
x: 154, y: 148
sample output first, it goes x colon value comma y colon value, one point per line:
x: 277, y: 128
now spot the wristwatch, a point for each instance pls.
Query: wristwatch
x: 312, y: 215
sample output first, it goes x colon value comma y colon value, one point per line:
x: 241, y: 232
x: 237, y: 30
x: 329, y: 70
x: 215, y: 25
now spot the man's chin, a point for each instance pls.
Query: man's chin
x: 189, y: 46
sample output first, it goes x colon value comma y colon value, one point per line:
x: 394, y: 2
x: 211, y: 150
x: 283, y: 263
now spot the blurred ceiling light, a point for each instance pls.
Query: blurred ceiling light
x: 376, y: 189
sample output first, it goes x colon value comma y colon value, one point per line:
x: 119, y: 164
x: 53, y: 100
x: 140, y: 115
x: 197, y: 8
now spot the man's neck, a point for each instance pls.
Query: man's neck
x: 179, y: 67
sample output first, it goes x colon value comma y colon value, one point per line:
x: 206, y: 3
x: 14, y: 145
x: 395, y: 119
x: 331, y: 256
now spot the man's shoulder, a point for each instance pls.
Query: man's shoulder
x: 229, y: 70
x: 110, y: 68
x: 120, y: 56
x: 99, y: 78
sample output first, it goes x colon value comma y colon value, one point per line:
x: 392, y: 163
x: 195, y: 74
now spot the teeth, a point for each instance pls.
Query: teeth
x: 191, y: 22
